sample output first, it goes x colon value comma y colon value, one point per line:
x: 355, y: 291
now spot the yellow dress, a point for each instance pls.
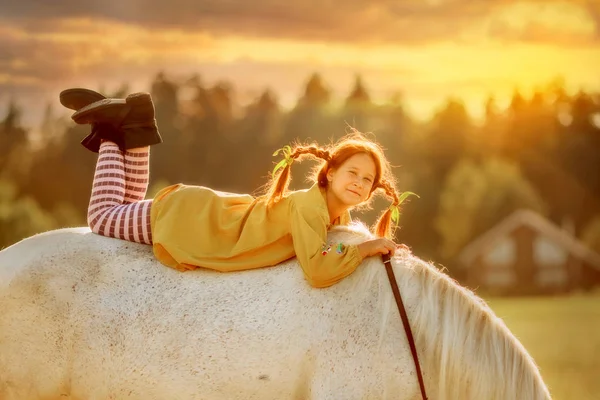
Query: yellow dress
x: 194, y: 226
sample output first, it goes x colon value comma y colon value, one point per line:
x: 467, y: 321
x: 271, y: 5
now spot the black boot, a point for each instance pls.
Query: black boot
x: 76, y: 99
x: 139, y: 127
x: 133, y: 117
x: 102, y: 131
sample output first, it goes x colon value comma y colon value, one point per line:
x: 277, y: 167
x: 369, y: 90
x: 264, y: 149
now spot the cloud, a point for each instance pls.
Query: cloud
x: 45, y: 46
x: 593, y: 9
x: 75, y: 49
x: 560, y: 23
x: 42, y: 41
x: 367, y: 21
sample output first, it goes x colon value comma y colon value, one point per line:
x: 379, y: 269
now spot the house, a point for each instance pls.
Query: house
x: 527, y: 254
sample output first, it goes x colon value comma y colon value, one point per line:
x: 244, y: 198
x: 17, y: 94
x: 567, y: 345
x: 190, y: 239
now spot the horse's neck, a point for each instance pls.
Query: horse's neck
x: 463, y: 347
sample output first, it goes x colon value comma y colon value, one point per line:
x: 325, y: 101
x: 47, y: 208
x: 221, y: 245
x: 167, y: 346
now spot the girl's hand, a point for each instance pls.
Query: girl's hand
x: 379, y: 246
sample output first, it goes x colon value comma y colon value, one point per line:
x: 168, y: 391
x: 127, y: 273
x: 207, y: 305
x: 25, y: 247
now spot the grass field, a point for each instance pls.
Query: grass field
x: 563, y: 336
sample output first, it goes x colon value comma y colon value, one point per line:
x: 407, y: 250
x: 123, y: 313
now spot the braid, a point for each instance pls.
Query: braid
x: 383, y: 228
x: 314, y: 150
x: 278, y: 186
x: 389, y: 190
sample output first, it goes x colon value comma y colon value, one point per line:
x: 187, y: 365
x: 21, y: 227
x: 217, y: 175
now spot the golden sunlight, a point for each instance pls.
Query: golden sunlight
x: 520, y: 46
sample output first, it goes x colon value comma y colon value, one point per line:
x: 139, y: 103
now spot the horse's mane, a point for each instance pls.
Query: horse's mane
x: 471, y: 346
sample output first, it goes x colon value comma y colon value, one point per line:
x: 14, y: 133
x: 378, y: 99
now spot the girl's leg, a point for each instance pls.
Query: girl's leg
x: 137, y: 164
x: 108, y: 214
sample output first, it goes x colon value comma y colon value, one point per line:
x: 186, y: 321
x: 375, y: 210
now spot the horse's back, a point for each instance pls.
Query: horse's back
x: 79, y: 310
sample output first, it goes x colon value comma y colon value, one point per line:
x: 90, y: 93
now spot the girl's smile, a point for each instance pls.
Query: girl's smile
x: 350, y: 184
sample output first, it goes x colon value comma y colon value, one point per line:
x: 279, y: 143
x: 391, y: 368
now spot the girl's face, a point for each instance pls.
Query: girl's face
x: 351, y: 183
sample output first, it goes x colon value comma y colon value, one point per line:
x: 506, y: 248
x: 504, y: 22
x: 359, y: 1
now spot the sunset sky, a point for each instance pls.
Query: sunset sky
x: 427, y: 50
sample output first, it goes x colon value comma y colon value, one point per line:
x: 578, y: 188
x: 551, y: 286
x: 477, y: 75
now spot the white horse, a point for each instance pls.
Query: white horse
x: 89, y: 317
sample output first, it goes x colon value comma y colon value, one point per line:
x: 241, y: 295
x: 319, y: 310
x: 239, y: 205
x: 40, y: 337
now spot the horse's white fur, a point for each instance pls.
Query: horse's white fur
x: 88, y: 317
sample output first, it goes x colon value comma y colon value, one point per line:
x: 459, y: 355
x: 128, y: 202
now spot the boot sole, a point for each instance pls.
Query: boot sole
x: 77, y: 98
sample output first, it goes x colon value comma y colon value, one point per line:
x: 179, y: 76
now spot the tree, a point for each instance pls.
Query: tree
x: 20, y: 216
x: 310, y: 118
x: 261, y: 122
x: 582, y: 145
x: 316, y: 94
x: 576, y: 156
x: 164, y: 94
x: 258, y: 134
x: 490, y: 138
x: 477, y: 196
x: 398, y: 135
x: 13, y: 141
x: 358, y: 109
x: 448, y: 138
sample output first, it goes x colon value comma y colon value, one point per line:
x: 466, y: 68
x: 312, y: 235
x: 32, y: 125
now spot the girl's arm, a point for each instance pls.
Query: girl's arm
x: 323, y: 263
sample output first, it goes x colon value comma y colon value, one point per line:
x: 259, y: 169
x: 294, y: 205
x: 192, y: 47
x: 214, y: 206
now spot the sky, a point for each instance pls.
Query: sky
x: 426, y: 50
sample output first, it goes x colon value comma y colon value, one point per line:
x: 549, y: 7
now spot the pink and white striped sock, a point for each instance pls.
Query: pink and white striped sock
x: 137, y: 173
x: 117, y: 207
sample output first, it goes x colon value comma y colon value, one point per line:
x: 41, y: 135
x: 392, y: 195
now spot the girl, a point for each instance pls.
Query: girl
x: 193, y: 226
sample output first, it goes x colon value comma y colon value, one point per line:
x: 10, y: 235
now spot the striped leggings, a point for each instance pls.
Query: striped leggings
x: 117, y: 207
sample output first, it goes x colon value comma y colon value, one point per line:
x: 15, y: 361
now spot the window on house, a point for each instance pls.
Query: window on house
x: 499, y: 261
x: 551, y: 260
x: 499, y: 277
x: 502, y: 254
x: 556, y: 276
x: 547, y: 253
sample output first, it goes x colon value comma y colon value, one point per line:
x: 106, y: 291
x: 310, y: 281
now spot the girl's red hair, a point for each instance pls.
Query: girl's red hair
x: 332, y: 158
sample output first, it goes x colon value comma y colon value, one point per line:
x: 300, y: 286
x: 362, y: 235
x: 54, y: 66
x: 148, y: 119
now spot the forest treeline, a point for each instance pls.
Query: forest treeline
x: 541, y: 152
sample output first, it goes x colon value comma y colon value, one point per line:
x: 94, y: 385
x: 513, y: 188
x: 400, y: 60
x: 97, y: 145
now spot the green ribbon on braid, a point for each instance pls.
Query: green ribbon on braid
x: 287, y: 158
x: 395, y: 207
